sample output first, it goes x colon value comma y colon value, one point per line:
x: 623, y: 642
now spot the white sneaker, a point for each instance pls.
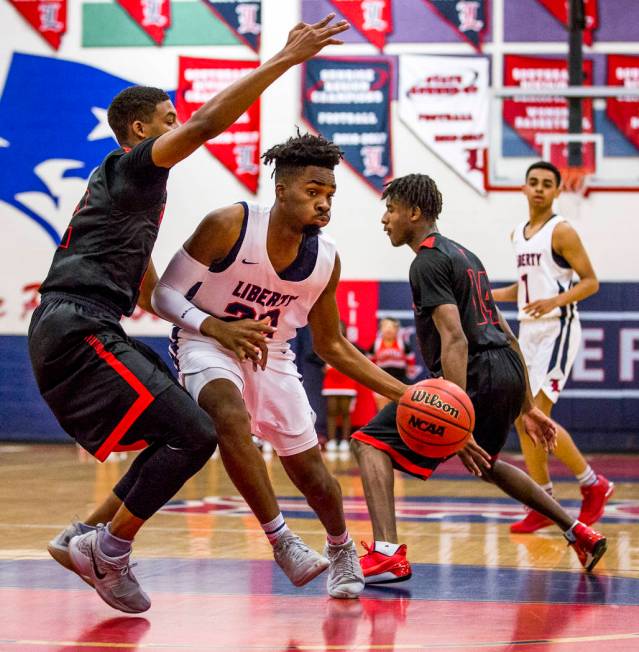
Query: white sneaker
x: 331, y: 445
x: 111, y: 577
x: 299, y: 562
x: 345, y: 576
x: 345, y: 446
x: 58, y: 547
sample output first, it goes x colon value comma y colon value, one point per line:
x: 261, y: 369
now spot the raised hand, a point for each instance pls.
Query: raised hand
x: 540, y: 428
x: 305, y: 41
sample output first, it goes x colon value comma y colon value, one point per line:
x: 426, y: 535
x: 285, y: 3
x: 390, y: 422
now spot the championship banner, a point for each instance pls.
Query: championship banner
x: 533, y: 116
x: 238, y: 147
x: 347, y: 100
x: 560, y: 10
x: 153, y: 16
x: 468, y: 17
x: 47, y: 17
x: 445, y: 103
x: 623, y: 70
x: 242, y: 17
x: 372, y: 18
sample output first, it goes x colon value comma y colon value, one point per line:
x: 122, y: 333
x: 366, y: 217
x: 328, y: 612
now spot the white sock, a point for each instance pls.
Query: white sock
x: 386, y: 548
x: 338, y: 540
x: 587, y: 477
x: 275, y: 529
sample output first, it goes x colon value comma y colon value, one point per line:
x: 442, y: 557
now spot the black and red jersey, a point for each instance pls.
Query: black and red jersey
x: 107, y: 246
x: 445, y: 272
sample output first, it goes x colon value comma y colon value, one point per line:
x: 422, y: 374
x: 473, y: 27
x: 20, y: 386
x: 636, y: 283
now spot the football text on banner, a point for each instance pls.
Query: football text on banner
x: 47, y: 17
x: 153, y: 16
x: 532, y: 116
x: 242, y: 17
x: 623, y: 70
x: 559, y: 9
x: 372, y: 18
x: 347, y: 100
x: 445, y: 102
x: 238, y: 148
x: 468, y: 17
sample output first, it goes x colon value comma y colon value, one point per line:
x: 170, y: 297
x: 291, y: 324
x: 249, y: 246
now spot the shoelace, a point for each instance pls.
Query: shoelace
x: 299, y: 549
x: 345, y: 565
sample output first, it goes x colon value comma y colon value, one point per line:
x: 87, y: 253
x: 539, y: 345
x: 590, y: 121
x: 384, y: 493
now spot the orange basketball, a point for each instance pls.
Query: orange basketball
x: 435, y: 418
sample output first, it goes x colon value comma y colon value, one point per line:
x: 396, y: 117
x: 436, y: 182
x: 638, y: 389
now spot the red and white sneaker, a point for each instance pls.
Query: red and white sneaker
x: 383, y: 568
x: 532, y: 522
x: 589, y: 545
x: 595, y: 497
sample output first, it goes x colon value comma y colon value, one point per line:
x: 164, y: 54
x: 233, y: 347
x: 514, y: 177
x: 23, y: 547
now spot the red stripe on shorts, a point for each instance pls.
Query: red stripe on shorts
x: 398, y: 457
x: 145, y: 398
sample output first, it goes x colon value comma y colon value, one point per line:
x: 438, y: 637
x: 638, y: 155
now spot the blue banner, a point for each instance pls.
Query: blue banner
x: 468, y: 17
x: 347, y: 100
x: 242, y: 17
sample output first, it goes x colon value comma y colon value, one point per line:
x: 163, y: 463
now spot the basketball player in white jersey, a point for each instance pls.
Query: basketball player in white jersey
x: 549, y: 253
x: 271, y: 264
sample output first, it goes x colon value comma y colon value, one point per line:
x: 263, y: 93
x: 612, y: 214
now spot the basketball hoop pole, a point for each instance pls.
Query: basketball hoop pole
x: 577, y: 22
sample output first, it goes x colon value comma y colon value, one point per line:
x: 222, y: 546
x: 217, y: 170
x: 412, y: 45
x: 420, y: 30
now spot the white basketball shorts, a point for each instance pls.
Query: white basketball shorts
x: 550, y: 347
x: 274, y: 397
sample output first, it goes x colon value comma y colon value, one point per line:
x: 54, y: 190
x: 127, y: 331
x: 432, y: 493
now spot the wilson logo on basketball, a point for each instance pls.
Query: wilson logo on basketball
x: 426, y: 426
x: 420, y: 396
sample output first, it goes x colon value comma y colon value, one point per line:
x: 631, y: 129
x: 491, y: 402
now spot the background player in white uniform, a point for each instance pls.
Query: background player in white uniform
x: 548, y: 253
x: 263, y: 273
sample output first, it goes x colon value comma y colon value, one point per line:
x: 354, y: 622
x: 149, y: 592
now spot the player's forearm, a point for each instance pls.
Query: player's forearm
x: 342, y: 355
x: 585, y: 288
x: 455, y: 360
x: 226, y: 107
x: 508, y: 293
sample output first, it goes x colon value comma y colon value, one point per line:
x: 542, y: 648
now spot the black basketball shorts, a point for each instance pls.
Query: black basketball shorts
x: 98, y: 382
x: 496, y: 385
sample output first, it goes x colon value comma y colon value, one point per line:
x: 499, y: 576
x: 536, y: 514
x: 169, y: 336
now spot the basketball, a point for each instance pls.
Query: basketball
x: 435, y: 418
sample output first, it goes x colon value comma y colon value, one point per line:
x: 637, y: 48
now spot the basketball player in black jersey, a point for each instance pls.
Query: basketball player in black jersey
x: 107, y: 390
x: 464, y: 338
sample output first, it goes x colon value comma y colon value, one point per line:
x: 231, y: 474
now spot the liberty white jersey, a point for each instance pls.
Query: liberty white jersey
x: 246, y: 286
x: 542, y: 273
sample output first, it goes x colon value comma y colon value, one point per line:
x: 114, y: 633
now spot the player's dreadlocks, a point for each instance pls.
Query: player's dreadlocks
x: 131, y: 104
x: 416, y: 190
x: 300, y: 151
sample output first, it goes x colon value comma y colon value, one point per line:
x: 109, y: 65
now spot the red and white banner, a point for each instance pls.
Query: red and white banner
x: 153, y: 16
x: 47, y: 17
x: 532, y: 116
x: 239, y: 146
x: 560, y: 10
x: 445, y: 102
x: 357, y: 302
x: 372, y: 18
x: 623, y: 70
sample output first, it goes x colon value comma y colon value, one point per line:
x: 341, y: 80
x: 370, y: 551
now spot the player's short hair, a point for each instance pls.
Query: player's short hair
x: 416, y: 190
x: 545, y: 165
x: 131, y: 104
x: 300, y: 151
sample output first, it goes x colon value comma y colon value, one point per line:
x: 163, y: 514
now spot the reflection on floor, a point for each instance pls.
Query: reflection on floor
x: 214, y: 586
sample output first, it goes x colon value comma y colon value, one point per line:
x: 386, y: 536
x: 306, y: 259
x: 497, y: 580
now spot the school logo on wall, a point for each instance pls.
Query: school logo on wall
x: 47, y: 17
x: 52, y: 145
x: 242, y: 17
x: 372, y: 18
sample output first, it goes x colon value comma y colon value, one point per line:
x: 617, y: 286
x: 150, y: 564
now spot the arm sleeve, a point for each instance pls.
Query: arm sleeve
x: 179, y: 281
x: 431, y: 279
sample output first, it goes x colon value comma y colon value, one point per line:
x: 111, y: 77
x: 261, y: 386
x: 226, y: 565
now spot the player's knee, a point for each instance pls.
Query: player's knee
x: 199, y: 433
x: 229, y: 420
